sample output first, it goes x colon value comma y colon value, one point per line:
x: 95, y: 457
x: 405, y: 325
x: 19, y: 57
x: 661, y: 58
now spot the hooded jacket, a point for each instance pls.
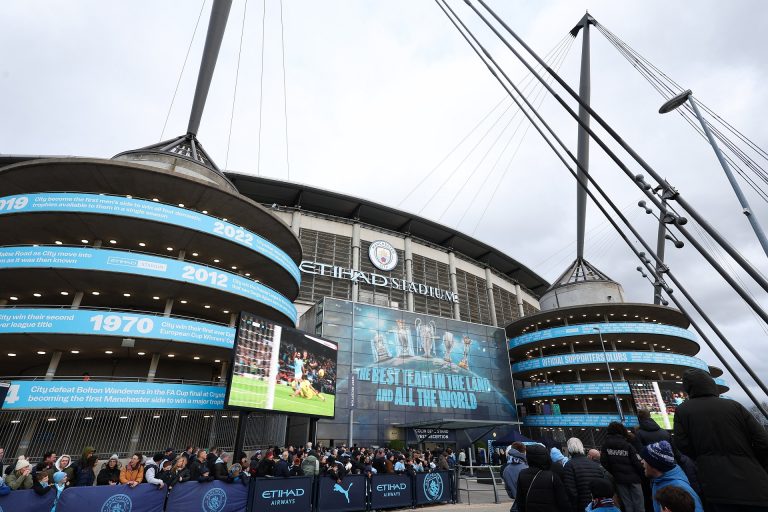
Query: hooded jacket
x: 676, y: 477
x: 727, y: 443
x: 220, y: 471
x: 538, y: 488
x: 650, y: 432
x: 578, y: 474
x: 516, y: 462
x: 620, y: 459
x: 70, y: 470
x: 107, y: 474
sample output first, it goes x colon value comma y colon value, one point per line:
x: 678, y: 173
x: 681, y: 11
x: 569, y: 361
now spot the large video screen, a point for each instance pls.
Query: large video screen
x: 661, y: 398
x: 279, y: 368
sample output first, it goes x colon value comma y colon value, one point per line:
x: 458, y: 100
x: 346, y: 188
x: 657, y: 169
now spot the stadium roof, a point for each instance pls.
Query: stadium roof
x: 312, y: 199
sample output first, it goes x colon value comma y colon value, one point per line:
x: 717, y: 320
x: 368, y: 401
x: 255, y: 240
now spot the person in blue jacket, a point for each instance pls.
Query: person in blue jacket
x: 661, y: 468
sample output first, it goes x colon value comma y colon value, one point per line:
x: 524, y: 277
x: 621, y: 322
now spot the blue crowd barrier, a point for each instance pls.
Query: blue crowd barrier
x: 434, y: 487
x: 213, y: 496
x: 391, y: 491
x: 348, y: 496
x: 293, y: 494
x: 27, y: 501
x: 111, y: 498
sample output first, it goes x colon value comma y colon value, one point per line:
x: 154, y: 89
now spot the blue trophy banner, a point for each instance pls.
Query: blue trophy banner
x: 576, y: 420
x: 347, y: 496
x: 580, y: 358
x: 27, y: 501
x: 391, y: 491
x: 148, y: 210
x: 213, y: 496
x: 605, y: 328
x: 108, y: 260
x: 112, y: 498
x: 584, y: 388
x: 114, y: 323
x: 63, y: 394
x: 281, y: 494
x: 433, y: 487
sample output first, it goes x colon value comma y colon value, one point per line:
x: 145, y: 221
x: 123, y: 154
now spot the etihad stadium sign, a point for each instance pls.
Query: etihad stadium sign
x: 371, y: 278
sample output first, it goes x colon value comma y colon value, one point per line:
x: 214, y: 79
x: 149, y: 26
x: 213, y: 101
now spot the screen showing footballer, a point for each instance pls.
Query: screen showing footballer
x: 279, y: 368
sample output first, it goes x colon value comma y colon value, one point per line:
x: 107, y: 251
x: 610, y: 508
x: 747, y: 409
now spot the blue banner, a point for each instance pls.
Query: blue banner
x: 292, y: 494
x: 27, y: 501
x: 605, y: 328
x: 145, y: 265
x: 112, y: 498
x: 577, y: 420
x: 114, y: 323
x: 64, y: 394
x: 612, y: 357
x: 148, y: 210
x: 585, y: 388
x: 348, y: 496
x: 391, y: 491
x: 213, y: 496
x: 433, y: 487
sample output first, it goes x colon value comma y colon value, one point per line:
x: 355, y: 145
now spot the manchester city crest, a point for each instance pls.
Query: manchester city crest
x: 117, y: 503
x: 433, y: 486
x: 382, y: 255
x: 214, y: 500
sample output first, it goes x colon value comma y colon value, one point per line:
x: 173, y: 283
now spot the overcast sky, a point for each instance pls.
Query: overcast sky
x: 379, y: 93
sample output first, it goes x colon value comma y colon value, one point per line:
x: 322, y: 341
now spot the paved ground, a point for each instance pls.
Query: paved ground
x: 479, y: 498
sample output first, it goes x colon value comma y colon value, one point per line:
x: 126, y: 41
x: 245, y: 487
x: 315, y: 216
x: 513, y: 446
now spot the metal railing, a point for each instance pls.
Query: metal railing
x: 478, y: 480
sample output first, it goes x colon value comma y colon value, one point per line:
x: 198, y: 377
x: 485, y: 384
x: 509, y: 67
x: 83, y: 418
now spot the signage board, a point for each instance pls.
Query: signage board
x: 292, y: 494
x: 433, y: 487
x: 611, y: 357
x: 279, y: 368
x: 346, y: 496
x: 391, y: 491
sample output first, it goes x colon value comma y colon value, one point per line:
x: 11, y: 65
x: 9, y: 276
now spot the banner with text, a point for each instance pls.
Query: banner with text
x: 112, y: 498
x: 63, y: 394
x: 391, y: 491
x: 285, y: 494
x: 114, y: 323
x: 145, y: 265
x: 604, y: 328
x: 611, y: 357
x: 148, y: 210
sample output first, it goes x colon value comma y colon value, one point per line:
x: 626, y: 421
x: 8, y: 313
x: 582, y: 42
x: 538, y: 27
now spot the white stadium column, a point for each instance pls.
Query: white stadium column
x: 53, y: 365
x: 491, y: 301
x: 409, y: 272
x: 519, y: 299
x: 454, y: 285
x: 355, y: 258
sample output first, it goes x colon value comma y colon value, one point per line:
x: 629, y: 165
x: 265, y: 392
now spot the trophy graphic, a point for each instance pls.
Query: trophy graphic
x: 378, y: 344
x: 448, y: 345
x: 426, y: 332
x: 464, y: 363
x: 404, y: 347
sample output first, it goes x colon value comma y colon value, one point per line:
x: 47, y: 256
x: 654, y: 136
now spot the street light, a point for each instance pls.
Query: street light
x: 610, y: 375
x: 678, y: 101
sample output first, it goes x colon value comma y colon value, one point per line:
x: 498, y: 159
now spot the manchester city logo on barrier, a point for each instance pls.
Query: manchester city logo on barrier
x: 433, y: 486
x: 117, y: 503
x: 382, y: 255
x: 214, y: 500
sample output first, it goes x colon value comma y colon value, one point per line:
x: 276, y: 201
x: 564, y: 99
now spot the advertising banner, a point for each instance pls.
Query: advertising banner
x: 576, y: 420
x: 146, y: 265
x: 114, y: 323
x: 348, y: 496
x: 213, y: 496
x: 605, y: 328
x: 433, y: 487
x: 433, y: 435
x: 112, y: 498
x: 391, y: 491
x: 26, y: 501
x: 65, y: 394
x: 292, y: 494
x: 584, y: 388
x: 279, y: 368
x: 148, y: 210
x: 612, y: 357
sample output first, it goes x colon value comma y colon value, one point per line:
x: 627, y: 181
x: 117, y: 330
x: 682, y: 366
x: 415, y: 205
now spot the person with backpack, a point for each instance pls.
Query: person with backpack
x: 516, y: 463
x: 152, y: 471
x: 538, y: 488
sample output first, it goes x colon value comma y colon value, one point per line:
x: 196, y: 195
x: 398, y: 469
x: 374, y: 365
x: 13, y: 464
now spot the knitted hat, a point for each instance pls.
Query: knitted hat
x: 114, y: 456
x: 659, y: 455
x: 59, y: 476
x: 22, y: 463
x: 601, y: 488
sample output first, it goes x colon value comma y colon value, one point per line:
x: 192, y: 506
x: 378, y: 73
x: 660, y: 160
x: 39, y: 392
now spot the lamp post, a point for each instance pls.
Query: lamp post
x: 610, y: 374
x: 678, y: 101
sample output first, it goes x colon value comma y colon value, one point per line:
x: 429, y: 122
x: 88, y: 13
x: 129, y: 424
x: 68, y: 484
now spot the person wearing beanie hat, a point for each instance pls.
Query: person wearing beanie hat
x: 602, y: 496
x: 110, y: 472
x: 661, y: 468
x: 60, y: 482
x: 21, y: 477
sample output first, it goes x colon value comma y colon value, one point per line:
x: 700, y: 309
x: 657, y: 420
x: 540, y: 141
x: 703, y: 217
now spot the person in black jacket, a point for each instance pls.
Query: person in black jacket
x: 110, y: 472
x: 266, y: 466
x: 295, y: 469
x: 179, y: 473
x: 619, y: 457
x: 578, y: 474
x: 199, y: 470
x: 220, y: 468
x: 538, y: 488
x: 728, y: 445
x: 649, y: 431
x: 281, y: 467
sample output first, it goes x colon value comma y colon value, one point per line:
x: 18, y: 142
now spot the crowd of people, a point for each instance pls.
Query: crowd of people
x: 716, y: 460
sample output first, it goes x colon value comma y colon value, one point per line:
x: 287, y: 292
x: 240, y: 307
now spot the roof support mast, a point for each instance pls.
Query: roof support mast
x: 216, y: 27
x: 582, y: 149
